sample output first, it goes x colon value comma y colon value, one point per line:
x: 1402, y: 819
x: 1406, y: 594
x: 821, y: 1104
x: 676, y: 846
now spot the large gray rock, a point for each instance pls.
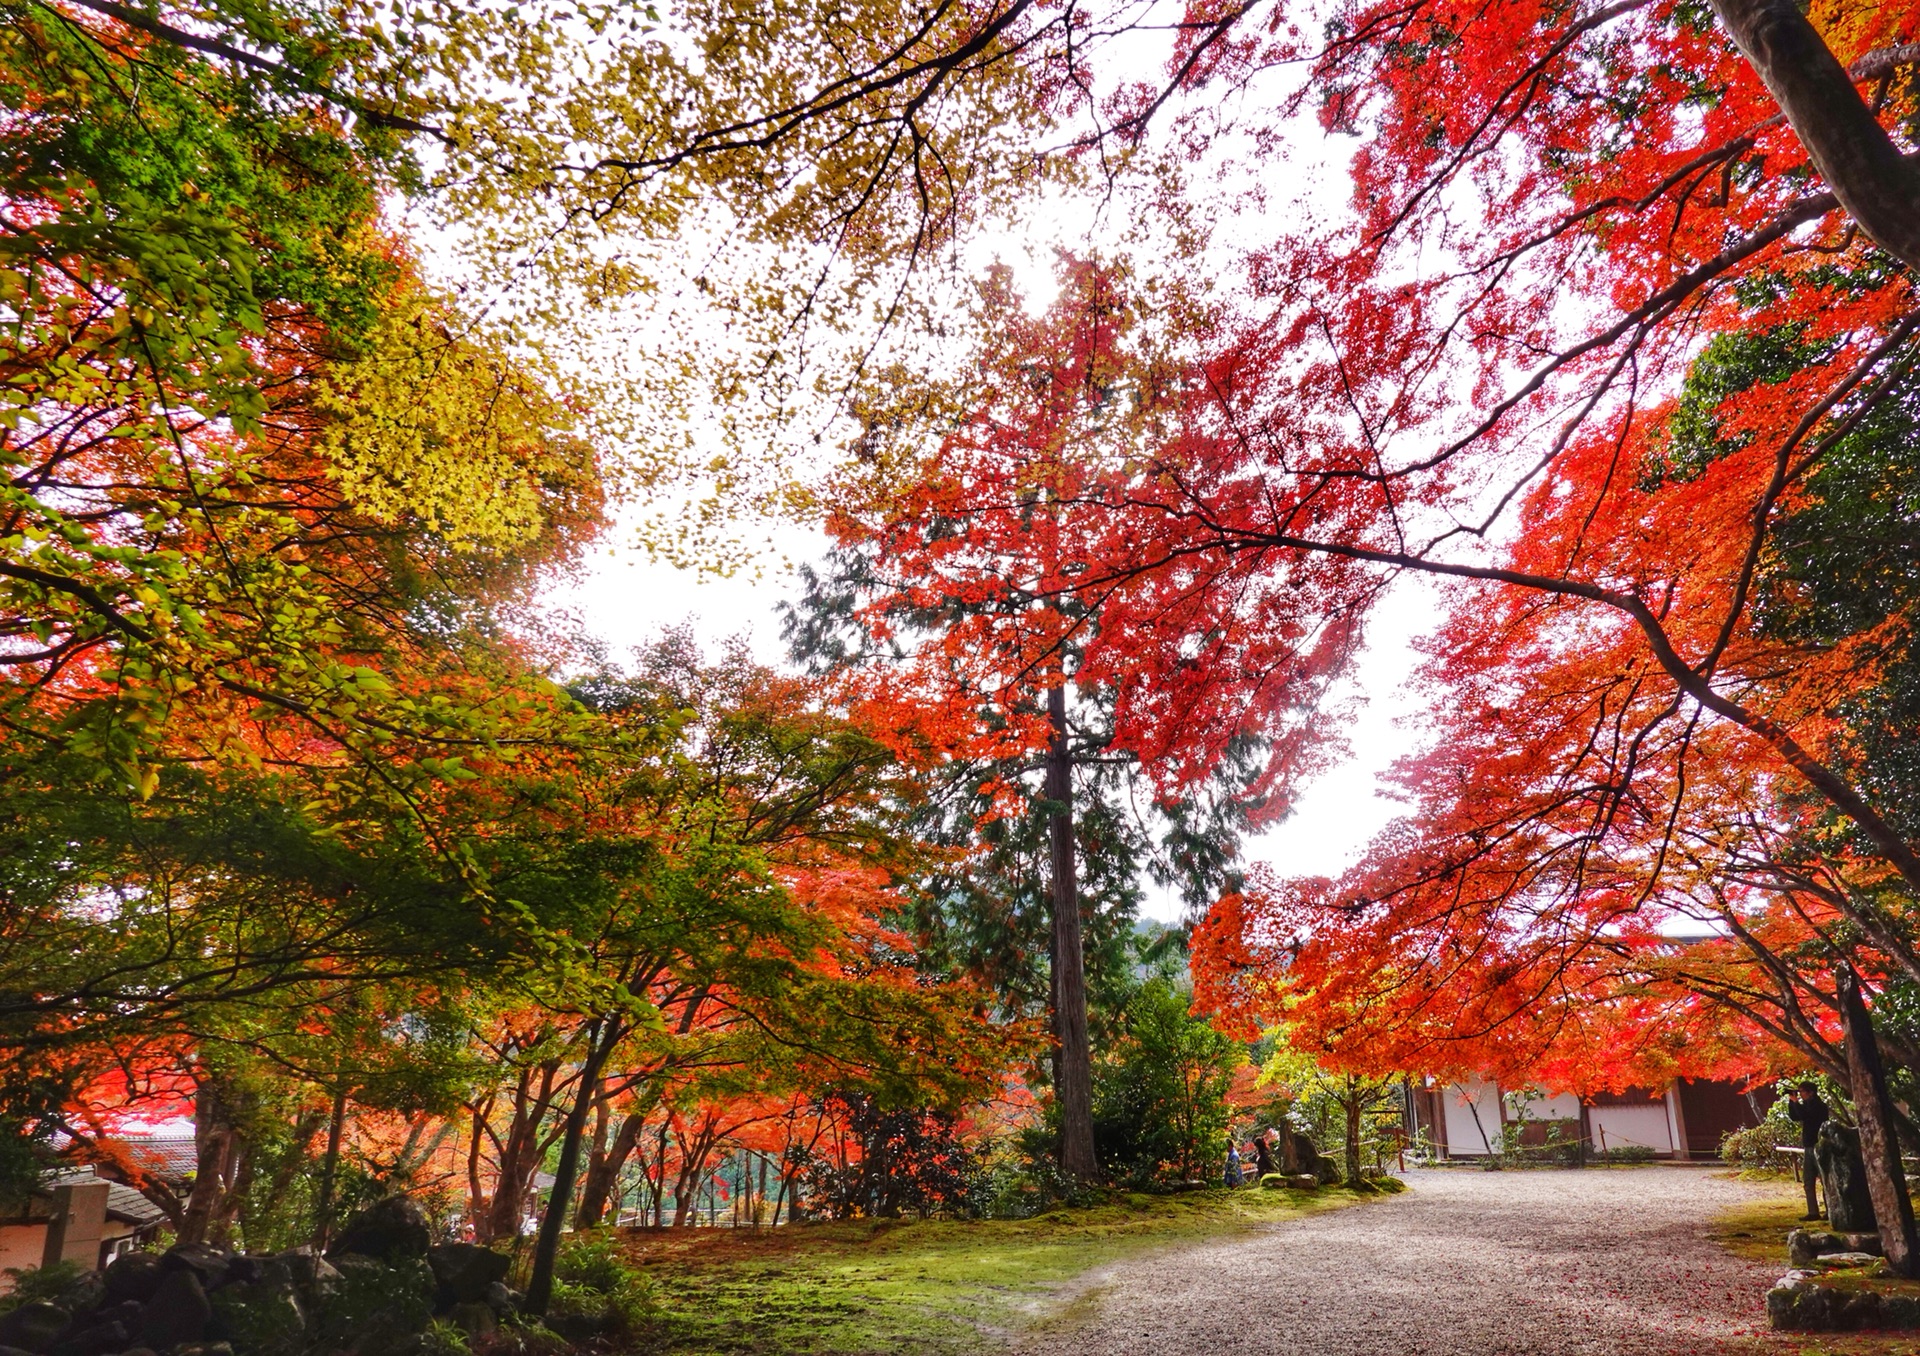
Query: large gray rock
x: 463, y: 1271
x: 389, y: 1229
x: 134, y: 1276
x: 375, y: 1305
x: 84, y: 1295
x: 313, y: 1275
x: 178, y: 1313
x: 34, y: 1327
x: 1844, y: 1175
x: 475, y: 1319
x: 95, y: 1339
x: 1831, y: 1260
x: 207, y: 1263
x: 263, y: 1317
x: 1803, y: 1245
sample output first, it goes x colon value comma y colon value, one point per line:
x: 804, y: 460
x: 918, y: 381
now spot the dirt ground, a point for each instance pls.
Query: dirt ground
x: 1602, y: 1262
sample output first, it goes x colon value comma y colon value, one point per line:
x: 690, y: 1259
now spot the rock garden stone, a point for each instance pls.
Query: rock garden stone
x: 87, y: 1293
x: 208, y: 1263
x: 205, y: 1349
x: 178, y: 1313
x: 475, y: 1319
x: 96, y: 1339
x: 313, y: 1275
x: 133, y: 1276
x: 1832, y: 1260
x: 390, y: 1229
x: 266, y: 1316
x: 34, y: 1326
x: 462, y: 1272
x: 1844, y: 1174
x: 503, y: 1299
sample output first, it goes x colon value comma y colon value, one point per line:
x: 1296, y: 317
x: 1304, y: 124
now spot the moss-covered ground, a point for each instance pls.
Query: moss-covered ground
x: 1759, y: 1231
x: 924, y: 1288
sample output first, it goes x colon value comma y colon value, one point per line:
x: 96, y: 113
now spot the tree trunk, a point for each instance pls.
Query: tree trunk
x: 603, y: 1170
x: 1352, y: 1109
x: 1879, y: 1145
x: 1073, y: 1059
x: 218, y: 1147
x: 601, y: 1036
x: 329, y: 1168
x: 1878, y: 186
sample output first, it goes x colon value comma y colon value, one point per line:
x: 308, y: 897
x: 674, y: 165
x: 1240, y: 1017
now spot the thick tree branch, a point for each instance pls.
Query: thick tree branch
x: 1879, y: 187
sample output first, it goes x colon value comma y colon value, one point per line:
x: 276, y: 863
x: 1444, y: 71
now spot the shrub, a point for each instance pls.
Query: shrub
x: 594, y: 1287
x: 1757, y: 1149
x: 31, y: 1284
x: 1159, y: 1097
x: 1630, y: 1153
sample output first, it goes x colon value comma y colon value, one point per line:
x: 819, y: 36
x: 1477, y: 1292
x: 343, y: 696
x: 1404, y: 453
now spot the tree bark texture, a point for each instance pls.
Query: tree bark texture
x: 603, y: 1171
x: 1073, y: 1058
x: 1878, y: 186
x: 1879, y: 1144
x: 601, y: 1037
x: 329, y: 1169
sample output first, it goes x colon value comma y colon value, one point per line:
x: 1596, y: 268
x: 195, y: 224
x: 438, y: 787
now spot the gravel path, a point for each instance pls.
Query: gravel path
x: 1598, y: 1263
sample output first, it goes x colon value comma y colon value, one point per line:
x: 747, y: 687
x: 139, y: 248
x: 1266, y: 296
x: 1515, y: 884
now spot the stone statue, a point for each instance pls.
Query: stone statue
x: 1843, y: 1174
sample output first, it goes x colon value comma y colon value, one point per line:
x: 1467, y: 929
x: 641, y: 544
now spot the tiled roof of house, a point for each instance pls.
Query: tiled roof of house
x: 123, y: 1202
x: 172, y: 1158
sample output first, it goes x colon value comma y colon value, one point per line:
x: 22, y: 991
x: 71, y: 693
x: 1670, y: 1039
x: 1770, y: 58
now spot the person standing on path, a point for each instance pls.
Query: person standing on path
x: 1806, y: 1110
x: 1262, y: 1154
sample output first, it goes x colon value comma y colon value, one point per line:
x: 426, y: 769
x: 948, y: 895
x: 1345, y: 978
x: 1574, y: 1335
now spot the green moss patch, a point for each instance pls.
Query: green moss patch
x: 922, y: 1288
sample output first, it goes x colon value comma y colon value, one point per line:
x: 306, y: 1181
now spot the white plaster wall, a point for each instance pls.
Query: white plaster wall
x: 1463, y: 1136
x: 1562, y: 1106
x: 1645, y: 1124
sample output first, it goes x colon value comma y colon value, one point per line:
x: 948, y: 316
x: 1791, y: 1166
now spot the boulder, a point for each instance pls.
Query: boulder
x: 313, y: 1275
x: 374, y: 1301
x: 389, y: 1229
x: 208, y: 1264
x: 178, y: 1313
x: 206, y: 1349
x: 96, y: 1339
x: 504, y: 1300
x: 1831, y: 1260
x: 1860, y: 1243
x: 133, y: 1276
x: 34, y: 1326
x: 1803, y: 1245
x: 463, y: 1271
x: 87, y: 1293
x: 1844, y: 1175
x: 263, y: 1317
x: 474, y: 1319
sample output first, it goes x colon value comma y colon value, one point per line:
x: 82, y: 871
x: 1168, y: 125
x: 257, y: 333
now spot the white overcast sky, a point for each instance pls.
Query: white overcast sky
x: 625, y: 598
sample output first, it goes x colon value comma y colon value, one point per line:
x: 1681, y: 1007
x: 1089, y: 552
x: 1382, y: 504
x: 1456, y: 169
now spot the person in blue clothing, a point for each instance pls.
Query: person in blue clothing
x: 1234, y: 1177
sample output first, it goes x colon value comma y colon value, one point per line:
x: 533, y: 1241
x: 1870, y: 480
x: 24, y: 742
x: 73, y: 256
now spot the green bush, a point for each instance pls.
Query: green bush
x: 1629, y: 1153
x: 1757, y: 1149
x: 1159, y: 1096
x: 595, y: 1287
x: 31, y: 1284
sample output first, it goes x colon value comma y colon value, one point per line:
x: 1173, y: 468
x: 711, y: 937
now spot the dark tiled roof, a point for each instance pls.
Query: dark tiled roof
x: 170, y: 1157
x: 123, y: 1202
